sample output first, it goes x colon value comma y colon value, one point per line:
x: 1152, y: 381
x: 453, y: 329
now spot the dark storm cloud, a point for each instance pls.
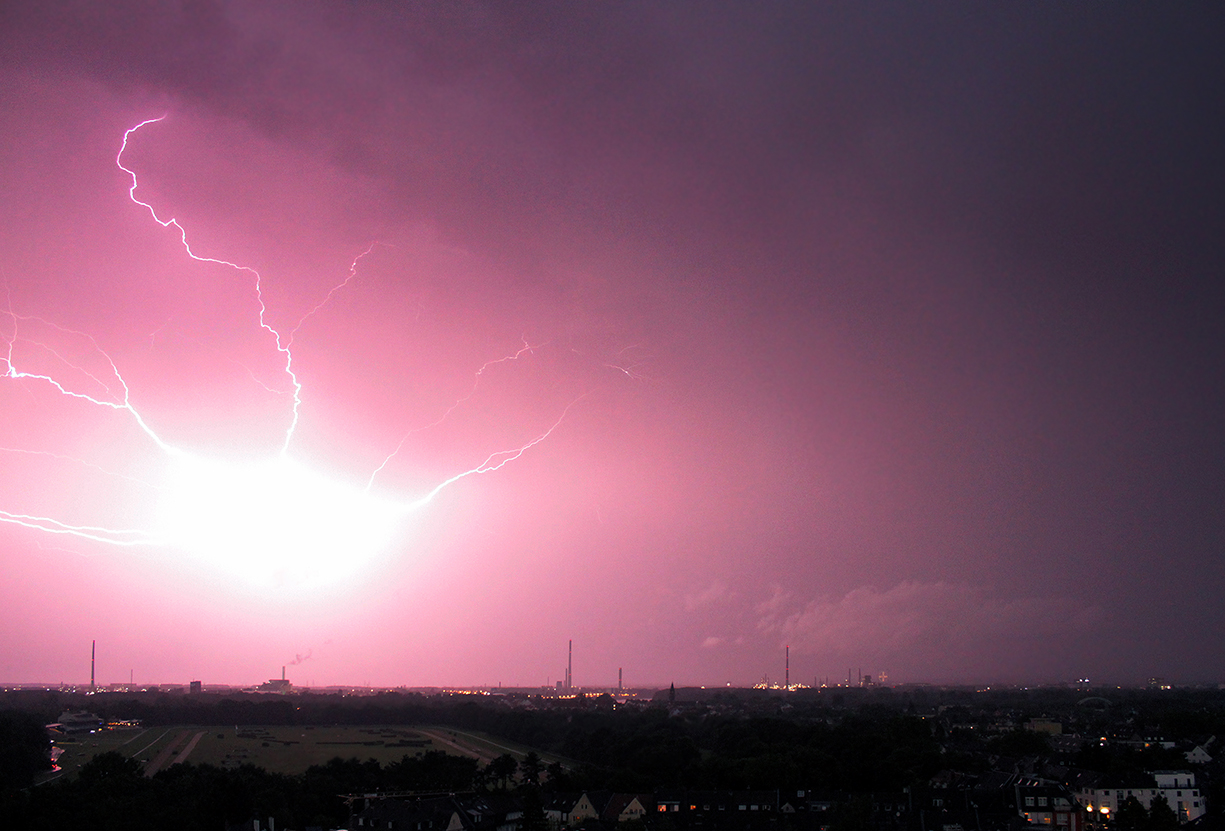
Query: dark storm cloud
x: 1056, y: 134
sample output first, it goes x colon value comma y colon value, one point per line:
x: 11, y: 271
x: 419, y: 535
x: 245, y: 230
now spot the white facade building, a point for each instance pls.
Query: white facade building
x: 1177, y: 786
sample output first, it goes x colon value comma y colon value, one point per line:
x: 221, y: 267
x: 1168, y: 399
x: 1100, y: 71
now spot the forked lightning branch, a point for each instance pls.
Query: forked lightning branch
x: 268, y: 519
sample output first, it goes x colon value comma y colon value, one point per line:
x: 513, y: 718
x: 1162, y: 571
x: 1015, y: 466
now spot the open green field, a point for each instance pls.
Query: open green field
x: 79, y: 748
x: 294, y: 749
x: 278, y: 749
x: 484, y: 747
x: 281, y: 749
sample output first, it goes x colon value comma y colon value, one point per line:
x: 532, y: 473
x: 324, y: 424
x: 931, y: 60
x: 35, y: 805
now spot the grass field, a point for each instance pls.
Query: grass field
x: 279, y: 749
x: 294, y: 749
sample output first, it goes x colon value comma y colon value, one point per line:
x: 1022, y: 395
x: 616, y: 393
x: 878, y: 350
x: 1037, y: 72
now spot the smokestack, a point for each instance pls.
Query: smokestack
x: 569, y: 665
x: 93, y: 653
x: 282, y: 673
x: 619, y: 686
x: 787, y: 677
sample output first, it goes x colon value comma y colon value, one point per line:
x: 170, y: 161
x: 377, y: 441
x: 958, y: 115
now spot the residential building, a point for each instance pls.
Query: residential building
x: 1177, y: 786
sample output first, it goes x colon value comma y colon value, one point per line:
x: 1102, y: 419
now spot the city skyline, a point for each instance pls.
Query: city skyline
x: 402, y: 343
x: 855, y: 677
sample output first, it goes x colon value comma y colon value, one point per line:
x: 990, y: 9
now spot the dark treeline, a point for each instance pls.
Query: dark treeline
x: 112, y: 793
x: 24, y: 748
x: 1179, y: 714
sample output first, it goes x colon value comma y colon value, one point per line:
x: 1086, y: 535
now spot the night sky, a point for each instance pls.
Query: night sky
x: 889, y: 332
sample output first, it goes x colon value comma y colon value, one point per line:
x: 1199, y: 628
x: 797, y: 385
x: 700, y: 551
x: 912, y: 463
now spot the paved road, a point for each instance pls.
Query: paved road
x: 191, y: 745
x: 465, y: 748
x: 135, y: 754
x: 163, y: 757
x: 478, y: 747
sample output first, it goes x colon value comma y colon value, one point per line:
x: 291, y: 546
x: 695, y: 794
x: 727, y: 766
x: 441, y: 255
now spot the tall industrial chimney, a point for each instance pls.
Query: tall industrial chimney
x: 787, y: 677
x: 93, y: 653
x: 619, y: 685
x: 569, y: 665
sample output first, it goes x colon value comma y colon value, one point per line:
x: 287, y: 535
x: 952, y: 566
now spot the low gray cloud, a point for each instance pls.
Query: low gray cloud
x: 955, y: 619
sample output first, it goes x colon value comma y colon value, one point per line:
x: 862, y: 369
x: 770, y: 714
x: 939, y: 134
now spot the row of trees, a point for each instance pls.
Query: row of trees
x: 111, y: 792
x: 1132, y: 816
x: 24, y: 749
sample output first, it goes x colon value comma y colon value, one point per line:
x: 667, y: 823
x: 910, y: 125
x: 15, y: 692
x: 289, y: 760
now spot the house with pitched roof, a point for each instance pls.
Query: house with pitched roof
x: 626, y: 807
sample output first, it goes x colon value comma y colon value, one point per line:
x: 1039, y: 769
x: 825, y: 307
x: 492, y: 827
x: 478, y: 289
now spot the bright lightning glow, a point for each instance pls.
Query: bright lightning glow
x: 273, y: 521
x: 270, y: 520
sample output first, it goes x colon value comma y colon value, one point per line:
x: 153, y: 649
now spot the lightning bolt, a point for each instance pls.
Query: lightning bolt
x: 527, y: 349
x: 494, y: 461
x: 201, y: 492
x: 125, y: 399
x: 94, y: 533
x: 282, y: 344
x: 630, y: 364
x: 319, y: 306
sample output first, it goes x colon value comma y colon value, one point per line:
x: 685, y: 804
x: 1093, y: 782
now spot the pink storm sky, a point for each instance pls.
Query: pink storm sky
x: 891, y: 334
